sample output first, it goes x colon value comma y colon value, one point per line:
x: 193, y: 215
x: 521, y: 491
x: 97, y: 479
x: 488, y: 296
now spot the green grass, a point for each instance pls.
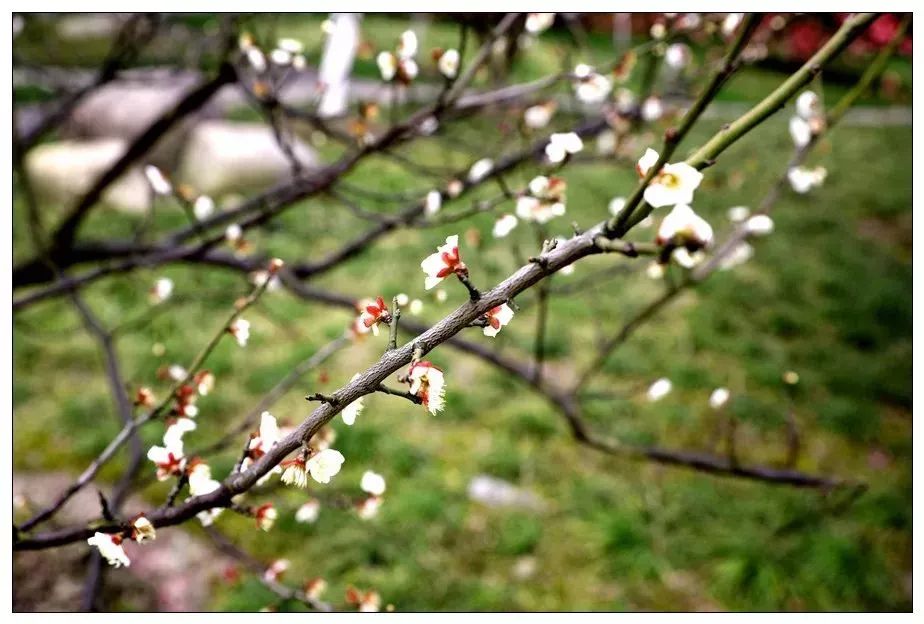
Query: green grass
x: 827, y: 295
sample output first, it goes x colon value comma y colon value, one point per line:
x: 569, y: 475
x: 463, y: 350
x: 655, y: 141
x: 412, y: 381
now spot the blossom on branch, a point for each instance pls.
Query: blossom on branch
x: 324, y: 465
x: 448, y: 63
x: 427, y: 384
x: 110, y: 547
x: 759, y: 225
x: 480, y: 169
x: 684, y: 228
x: 351, y: 411
x: 375, y: 313
x: 240, y: 329
x: 497, y: 318
x: 802, y: 180
x: 674, y: 184
x: 143, y: 530
x: 168, y: 459
x: 294, y: 473
x: 445, y: 262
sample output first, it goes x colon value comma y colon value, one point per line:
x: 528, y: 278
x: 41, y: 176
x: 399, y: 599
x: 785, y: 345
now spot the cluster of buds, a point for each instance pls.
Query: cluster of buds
x: 289, y: 53
x: 400, y: 65
x: 802, y: 179
x: 545, y: 201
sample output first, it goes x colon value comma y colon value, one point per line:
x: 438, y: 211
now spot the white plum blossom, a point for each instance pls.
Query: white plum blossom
x: 240, y: 329
x: 256, y: 59
x: 168, y: 459
x: 407, y: 45
x: 293, y: 46
x: 674, y: 184
x: 677, y: 55
x: 660, y: 389
x: 616, y: 205
x: 281, y: 57
x: 203, y: 207
x: 158, y: 181
x: 740, y: 253
x: 351, y: 411
x: 480, y: 169
x: 545, y: 201
x: 448, y: 63
x: 759, y: 225
x: 373, y: 313
x: 539, y: 116
x: 737, y: 214
x: 433, y: 203
x: 161, y: 290
x: 687, y: 260
x: 368, y: 508
x: 803, y: 180
x: 372, y: 483
x: 683, y: 227
x: 324, y: 465
x: 201, y: 483
x: 276, y: 569
x: 730, y: 23
x: 719, y: 398
x: 652, y: 108
x: 538, y: 22
x: 234, y: 233
x: 808, y: 105
x: 561, y: 145
x: 428, y: 383
x: 648, y: 160
x: 504, y: 225
x: 444, y: 262
x: 266, y: 515
x: 388, y: 65
x: 110, y: 547
x: 173, y: 437
x: 591, y: 87
x: 268, y: 437
x: 295, y: 473
x: 497, y: 318
x: 143, y: 530
x: 800, y: 131
x: 308, y: 512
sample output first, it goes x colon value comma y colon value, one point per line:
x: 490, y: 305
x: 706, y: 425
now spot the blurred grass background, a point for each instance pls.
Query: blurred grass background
x: 827, y: 295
